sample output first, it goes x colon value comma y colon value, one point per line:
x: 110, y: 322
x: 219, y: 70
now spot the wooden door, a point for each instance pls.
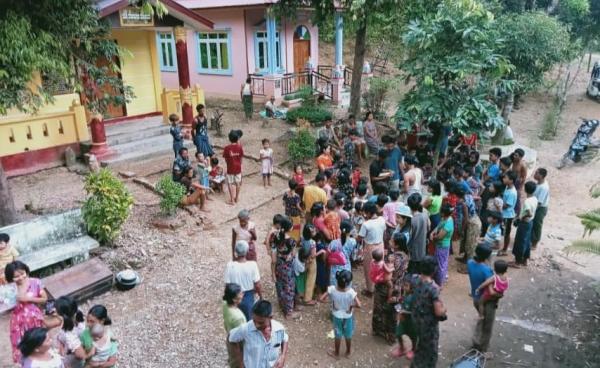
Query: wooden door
x: 301, y: 54
x: 112, y: 111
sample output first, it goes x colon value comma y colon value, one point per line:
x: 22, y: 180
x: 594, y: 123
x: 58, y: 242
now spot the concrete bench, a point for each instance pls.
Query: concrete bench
x: 51, y: 239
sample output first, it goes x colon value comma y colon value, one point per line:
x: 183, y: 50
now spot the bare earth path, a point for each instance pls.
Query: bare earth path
x: 173, y: 318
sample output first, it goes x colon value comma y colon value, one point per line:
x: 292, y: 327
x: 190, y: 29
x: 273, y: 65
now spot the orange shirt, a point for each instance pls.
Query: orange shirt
x: 324, y: 161
x: 332, y: 223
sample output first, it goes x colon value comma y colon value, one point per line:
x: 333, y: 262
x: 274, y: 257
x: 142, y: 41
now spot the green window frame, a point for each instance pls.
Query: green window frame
x: 167, y: 55
x: 214, y: 52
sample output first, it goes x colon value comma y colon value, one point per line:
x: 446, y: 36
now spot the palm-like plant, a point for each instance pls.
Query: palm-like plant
x: 591, y: 222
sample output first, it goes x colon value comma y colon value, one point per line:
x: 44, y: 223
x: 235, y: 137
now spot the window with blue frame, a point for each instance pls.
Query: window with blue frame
x: 214, y: 52
x: 166, y: 51
x: 261, y: 53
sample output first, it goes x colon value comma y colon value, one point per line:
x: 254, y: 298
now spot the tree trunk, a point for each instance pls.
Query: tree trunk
x: 8, y: 212
x: 360, y: 47
x: 436, y: 153
x: 530, y: 5
x: 507, y: 106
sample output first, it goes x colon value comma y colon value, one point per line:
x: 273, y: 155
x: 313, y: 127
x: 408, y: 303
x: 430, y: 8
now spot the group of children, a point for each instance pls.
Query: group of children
x: 79, y: 342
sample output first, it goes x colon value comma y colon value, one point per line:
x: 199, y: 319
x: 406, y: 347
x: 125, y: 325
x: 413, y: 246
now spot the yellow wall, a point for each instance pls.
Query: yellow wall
x: 140, y: 70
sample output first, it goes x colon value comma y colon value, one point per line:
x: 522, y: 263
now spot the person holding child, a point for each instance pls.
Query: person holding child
x: 8, y: 254
x: 244, y: 230
x: 36, y: 349
x: 479, y: 271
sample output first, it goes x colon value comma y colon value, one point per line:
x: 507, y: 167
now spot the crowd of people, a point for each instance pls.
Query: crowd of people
x: 400, y: 224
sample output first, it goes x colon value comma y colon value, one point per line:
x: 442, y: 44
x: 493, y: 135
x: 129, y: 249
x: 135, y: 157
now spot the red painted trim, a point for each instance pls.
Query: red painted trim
x: 31, y: 161
x: 125, y: 119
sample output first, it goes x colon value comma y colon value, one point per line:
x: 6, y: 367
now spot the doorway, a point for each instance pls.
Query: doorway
x: 301, y: 48
x: 112, y: 111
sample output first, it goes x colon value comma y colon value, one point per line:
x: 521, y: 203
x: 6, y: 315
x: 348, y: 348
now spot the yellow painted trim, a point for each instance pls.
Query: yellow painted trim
x: 155, y: 69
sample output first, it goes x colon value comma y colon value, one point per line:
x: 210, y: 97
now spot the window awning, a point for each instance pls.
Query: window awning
x: 176, y: 10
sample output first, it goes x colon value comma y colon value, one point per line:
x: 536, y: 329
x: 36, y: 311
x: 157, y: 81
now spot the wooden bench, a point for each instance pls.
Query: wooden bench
x: 81, y: 282
x: 51, y: 239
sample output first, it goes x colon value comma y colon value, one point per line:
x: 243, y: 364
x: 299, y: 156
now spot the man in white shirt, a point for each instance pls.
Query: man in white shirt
x: 244, y: 273
x: 542, y: 193
x: 265, y: 341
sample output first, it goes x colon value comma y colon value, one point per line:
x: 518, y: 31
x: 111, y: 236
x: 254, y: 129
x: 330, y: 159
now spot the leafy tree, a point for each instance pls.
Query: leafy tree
x: 452, y: 58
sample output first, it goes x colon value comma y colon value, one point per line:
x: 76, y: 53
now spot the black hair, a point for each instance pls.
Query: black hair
x: 458, y: 171
x: 387, y: 139
x: 233, y: 136
x: 511, y: 175
x: 249, y: 80
x: 400, y: 240
x: 66, y: 308
x: 474, y: 153
x: 382, y: 199
x: 362, y: 190
x: 331, y: 204
x: 414, y: 202
x: 4, y: 237
x: 394, y: 194
x: 173, y: 118
x: 460, y: 191
x: 368, y: 113
x: 307, y: 231
x: 380, y: 188
x: 292, y: 184
x: 358, y: 206
x: 446, y: 209
x: 262, y: 308
x: 519, y: 151
x: 303, y: 254
x: 377, y: 254
x: 214, y: 161
x: 496, y: 152
x: 370, y: 209
x: 411, y: 160
x: 199, y: 107
x: 428, y: 266
x: 382, y: 153
x: 530, y: 187
x: 231, y: 291
x: 320, y: 177
x: 541, y: 171
x: 500, y: 266
x: 328, y: 173
x: 436, y: 187
x: 506, y: 161
x: 32, y: 339
x: 353, y: 132
x: 99, y: 311
x: 339, y: 198
x: 495, y: 215
x: 286, y: 225
x: 482, y: 253
x: 181, y: 150
x: 498, y: 188
x: 343, y: 278
x: 265, y: 140
x: 11, y: 268
x: 345, y: 227
x: 316, y: 209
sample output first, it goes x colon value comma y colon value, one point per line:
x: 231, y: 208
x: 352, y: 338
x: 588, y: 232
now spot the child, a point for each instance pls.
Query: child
x: 382, y: 269
x: 493, y: 170
x: 202, y: 168
x: 340, y: 202
x: 522, y: 244
x: 309, y: 246
x: 433, y: 202
x: 216, y: 177
x: 343, y: 301
x: 493, y: 203
x: 105, y: 348
x: 8, y: 254
x: 176, y: 133
x: 291, y: 202
x: 233, y: 154
x: 332, y: 220
x: 389, y: 213
x: 493, y: 234
x: 327, y: 187
x: 350, y: 148
x: 357, y: 220
x: 494, y: 287
x: 266, y: 158
x: 361, y: 194
x: 299, y: 177
x: 269, y: 240
x: 509, y: 201
x: 404, y: 326
x: 542, y: 193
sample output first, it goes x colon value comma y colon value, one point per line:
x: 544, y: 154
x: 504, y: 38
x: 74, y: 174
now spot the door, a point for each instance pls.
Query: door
x: 301, y: 54
x: 112, y: 111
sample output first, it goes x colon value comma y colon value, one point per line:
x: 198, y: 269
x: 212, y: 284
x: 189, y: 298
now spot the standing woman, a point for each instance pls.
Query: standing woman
x: 232, y: 317
x: 246, y: 95
x: 371, y: 232
x: 244, y: 230
x: 345, y: 244
x: 200, y: 133
x: 371, y: 133
x: 282, y: 267
x: 442, y: 237
x: 37, y: 352
x: 27, y: 314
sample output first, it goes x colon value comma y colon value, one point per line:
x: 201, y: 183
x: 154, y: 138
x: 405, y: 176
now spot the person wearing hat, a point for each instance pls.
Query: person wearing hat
x: 420, y: 224
x: 377, y: 171
x: 403, y: 222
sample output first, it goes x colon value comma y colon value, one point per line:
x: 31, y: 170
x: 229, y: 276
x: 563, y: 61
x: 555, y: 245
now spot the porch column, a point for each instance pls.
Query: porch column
x: 339, y: 39
x: 271, y: 28
x: 183, y: 72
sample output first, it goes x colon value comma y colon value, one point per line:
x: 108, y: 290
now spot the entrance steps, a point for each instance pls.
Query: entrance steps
x: 138, y: 140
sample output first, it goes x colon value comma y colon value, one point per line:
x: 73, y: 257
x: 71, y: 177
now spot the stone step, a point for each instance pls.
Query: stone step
x: 130, y: 136
x: 142, y: 149
x: 134, y: 126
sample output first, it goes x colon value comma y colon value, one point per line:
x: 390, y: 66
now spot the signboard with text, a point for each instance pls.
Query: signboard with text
x: 135, y: 17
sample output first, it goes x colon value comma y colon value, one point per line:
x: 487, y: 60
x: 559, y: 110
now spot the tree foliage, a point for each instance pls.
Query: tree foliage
x: 534, y: 43
x: 452, y: 58
x: 63, y: 41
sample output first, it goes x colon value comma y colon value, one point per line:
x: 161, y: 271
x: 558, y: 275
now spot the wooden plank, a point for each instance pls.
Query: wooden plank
x: 85, y: 279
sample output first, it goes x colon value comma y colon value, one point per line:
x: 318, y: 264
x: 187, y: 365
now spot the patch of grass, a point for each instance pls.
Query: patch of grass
x: 314, y: 114
x: 550, y: 123
x: 584, y: 246
x: 304, y: 92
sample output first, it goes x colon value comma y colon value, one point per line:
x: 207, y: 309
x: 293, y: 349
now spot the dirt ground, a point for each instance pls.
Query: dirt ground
x: 173, y: 319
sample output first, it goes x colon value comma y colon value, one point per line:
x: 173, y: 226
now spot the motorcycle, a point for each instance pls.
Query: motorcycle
x: 593, y: 89
x: 580, y: 144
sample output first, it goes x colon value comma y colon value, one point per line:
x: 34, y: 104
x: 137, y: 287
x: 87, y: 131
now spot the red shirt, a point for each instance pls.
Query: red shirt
x: 233, y: 154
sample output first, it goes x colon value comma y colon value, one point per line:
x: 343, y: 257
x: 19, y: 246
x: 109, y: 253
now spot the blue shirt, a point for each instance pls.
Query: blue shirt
x: 510, y: 199
x: 478, y: 273
x: 494, y: 172
x: 465, y: 186
x: 392, y: 162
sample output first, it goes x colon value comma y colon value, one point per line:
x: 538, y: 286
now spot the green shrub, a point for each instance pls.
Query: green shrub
x: 107, y: 206
x: 302, y: 146
x: 172, y: 193
x: 314, y: 114
x: 374, y: 99
x: 304, y: 92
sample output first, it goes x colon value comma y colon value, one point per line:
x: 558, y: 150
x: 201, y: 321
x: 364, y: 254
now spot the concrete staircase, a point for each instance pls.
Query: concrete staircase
x: 138, y: 140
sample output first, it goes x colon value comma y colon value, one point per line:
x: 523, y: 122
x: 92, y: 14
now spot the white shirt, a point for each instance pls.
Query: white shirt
x: 246, y: 91
x: 341, y: 301
x: 372, y: 230
x: 529, y: 205
x: 55, y: 362
x: 258, y: 352
x: 542, y: 193
x: 244, y: 274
